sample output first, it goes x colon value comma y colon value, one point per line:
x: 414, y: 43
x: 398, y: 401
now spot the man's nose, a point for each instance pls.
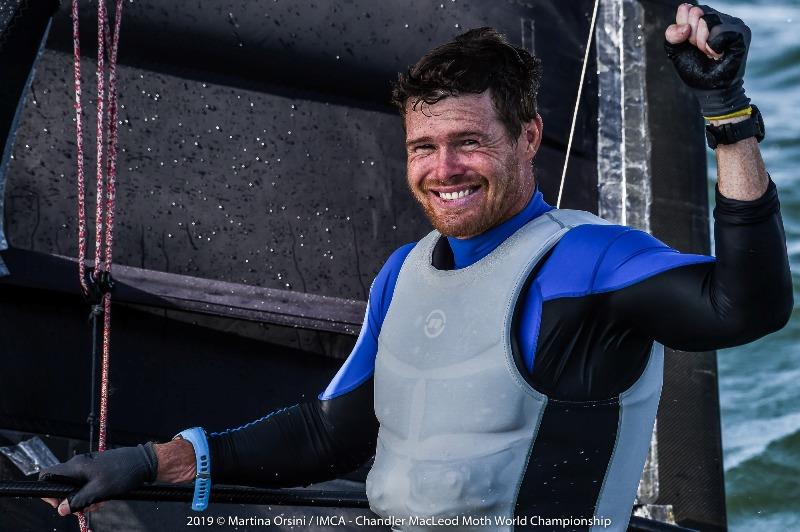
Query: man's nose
x: 448, y: 165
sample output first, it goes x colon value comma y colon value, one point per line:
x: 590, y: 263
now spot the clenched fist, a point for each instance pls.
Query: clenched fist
x: 709, y: 51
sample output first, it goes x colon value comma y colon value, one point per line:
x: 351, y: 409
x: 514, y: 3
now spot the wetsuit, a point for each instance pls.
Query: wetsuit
x: 585, y: 327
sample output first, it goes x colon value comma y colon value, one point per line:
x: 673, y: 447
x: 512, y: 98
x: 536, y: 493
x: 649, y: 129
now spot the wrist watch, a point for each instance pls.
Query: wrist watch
x: 731, y: 133
x: 202, y: 480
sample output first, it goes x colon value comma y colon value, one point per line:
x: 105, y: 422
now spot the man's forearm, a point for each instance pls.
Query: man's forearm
x: 299, y: 445
x: 741, y: 174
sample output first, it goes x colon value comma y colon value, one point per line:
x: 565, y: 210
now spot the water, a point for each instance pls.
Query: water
x: 758, y: 383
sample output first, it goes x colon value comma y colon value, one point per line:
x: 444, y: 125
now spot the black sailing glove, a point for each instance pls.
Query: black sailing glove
x: 105, y: 475
x: 718, y: 84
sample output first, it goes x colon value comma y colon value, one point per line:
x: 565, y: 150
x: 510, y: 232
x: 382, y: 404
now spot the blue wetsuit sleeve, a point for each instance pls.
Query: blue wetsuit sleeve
x: 633, y: 256
x: 321, y: 439
x: 706, y: 304
x: 591, y: 260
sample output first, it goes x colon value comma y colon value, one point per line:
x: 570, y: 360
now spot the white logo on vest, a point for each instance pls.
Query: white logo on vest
x: 434, y: 323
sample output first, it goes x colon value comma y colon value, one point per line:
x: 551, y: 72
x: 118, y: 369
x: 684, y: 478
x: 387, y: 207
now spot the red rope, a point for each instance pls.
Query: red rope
x: 76, y: 45
x: 82, y: 522
x: 101, y: 89
x: 111, y: 170
x: 111, y: 193
x: 106, y: 187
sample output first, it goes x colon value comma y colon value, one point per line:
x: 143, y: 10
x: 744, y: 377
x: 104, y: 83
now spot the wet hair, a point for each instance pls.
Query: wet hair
x: 477, y: 60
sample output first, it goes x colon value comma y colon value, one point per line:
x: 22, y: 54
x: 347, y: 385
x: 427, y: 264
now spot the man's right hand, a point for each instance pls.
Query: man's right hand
x: 105, y: 475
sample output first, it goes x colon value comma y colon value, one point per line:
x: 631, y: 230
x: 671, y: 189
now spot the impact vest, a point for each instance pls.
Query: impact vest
x: 457, y: 419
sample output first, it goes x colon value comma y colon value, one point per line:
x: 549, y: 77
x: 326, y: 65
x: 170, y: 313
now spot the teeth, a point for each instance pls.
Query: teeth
x: 456, y: 195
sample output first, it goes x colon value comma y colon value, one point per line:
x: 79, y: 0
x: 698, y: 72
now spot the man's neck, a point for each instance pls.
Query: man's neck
x: 467, y: 251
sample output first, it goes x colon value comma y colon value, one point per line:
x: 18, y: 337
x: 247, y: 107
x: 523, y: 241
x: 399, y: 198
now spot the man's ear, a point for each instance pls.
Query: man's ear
x: 532, y: 136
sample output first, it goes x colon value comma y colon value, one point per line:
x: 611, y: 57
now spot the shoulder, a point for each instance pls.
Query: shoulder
x: 360, y: 365
x: 383, y: 286
x: 599, y: 258
x: 380, y: 294
x: 396, y: 259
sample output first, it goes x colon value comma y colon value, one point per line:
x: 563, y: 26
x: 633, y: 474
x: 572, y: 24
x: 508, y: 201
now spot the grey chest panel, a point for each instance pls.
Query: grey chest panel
x: 457, y: 419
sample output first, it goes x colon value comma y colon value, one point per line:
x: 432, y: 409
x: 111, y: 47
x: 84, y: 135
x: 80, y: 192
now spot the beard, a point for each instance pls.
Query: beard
x: 495, y: 208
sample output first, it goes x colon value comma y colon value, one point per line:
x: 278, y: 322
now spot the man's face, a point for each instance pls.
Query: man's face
x: 463, y: 168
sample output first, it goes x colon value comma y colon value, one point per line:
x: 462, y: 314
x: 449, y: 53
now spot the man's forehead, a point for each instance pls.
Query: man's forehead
x: 470, y: 111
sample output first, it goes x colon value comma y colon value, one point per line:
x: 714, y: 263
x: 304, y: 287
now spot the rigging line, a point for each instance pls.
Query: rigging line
x: 101, y: 90
x: 82, y: 522
x: 578, y: 101
x: 93, y: 317
x: 110, y: 199
x: 623, y: 139
x: 105, y: 203
x: 113, y: 137
x: 76, y: 46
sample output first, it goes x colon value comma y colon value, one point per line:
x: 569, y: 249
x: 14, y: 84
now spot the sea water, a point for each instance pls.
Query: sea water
x: 760, y: 382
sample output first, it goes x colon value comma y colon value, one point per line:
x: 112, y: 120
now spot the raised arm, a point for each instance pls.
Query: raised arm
x: 743, y: 295
x: 747, y: 292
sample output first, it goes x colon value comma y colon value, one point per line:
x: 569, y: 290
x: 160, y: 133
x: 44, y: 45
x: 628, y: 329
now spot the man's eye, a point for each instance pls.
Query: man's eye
x: 469, y: 142
x: 423, y: 148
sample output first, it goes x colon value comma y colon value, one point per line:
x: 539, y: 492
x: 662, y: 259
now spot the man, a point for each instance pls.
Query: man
x: 510, y: 362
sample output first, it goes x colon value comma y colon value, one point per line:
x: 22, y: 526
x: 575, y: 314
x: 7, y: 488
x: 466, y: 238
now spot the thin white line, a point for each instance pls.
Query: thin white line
x: 624, y: 184
x: 577, y: 101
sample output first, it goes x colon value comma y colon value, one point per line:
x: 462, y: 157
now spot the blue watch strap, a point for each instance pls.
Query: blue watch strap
x: 202, y: 480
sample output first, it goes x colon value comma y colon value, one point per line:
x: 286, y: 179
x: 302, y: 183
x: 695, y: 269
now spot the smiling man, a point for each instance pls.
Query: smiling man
x: 509, y: 367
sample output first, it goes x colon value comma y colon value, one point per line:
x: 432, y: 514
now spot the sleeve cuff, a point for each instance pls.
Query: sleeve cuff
x: 740, y: 212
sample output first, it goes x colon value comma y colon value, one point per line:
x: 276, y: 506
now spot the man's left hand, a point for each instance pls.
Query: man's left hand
x: 709, y: 51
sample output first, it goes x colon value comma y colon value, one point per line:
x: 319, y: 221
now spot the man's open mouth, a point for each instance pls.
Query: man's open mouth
x: 456, y: 194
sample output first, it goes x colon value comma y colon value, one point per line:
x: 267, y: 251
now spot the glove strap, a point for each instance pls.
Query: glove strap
x: 202, y: 480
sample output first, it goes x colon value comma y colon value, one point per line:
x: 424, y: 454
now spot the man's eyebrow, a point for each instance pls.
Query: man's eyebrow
x: 469, y: 133
x: 418, y: 140
x: 457, y: 135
